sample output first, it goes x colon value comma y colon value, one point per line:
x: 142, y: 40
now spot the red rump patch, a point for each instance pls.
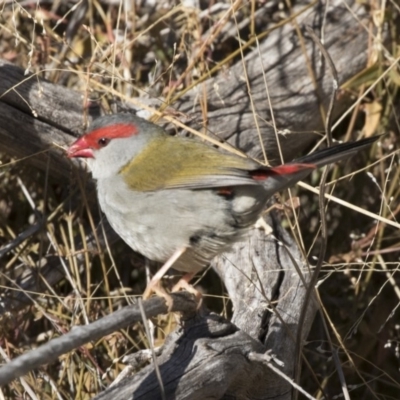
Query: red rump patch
x: 286, y: 169
x: 110, y: 132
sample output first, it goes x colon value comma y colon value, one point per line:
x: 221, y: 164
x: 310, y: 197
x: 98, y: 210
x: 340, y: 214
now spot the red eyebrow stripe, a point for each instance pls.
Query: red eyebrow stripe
x: 114, y: 131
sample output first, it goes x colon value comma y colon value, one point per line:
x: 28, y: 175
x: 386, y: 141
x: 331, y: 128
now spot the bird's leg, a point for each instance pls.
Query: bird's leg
x: 183, y: 283
x: 154, y: 285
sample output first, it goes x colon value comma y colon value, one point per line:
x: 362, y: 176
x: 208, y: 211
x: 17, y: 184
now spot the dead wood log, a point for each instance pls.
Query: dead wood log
x: 209, y: 358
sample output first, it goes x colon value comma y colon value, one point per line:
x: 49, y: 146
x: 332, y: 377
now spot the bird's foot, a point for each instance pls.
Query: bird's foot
x: 184, y: 284
x: 154, y: 286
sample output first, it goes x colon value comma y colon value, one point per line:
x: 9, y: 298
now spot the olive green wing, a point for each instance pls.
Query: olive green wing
x: 181, y: 163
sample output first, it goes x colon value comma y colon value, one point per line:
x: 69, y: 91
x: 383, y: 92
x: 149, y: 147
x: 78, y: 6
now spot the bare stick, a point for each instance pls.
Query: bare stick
x: 81, y: 335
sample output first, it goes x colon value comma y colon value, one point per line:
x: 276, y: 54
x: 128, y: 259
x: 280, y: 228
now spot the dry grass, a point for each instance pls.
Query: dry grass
x: 165, y: 53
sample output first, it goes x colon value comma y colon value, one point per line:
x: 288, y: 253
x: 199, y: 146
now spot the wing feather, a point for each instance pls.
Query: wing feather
x: 181, y: 163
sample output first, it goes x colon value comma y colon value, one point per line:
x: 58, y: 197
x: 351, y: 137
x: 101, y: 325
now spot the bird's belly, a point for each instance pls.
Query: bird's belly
x: 143, y: 233
x: 157, y: 224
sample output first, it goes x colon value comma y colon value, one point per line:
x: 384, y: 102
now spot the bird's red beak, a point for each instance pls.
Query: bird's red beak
x: 80, y: 148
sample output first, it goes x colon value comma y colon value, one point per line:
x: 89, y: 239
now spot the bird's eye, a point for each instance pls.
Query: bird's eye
x: 102, y: 142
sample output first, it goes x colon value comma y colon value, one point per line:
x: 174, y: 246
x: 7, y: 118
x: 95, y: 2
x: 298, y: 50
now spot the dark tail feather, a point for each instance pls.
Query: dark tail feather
x: 335, y: 153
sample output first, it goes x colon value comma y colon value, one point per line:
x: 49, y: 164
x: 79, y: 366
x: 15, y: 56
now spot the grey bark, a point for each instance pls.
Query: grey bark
x: 211, y: 358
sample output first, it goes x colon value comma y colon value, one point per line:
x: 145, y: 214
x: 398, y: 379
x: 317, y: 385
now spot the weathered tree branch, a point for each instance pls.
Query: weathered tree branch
x: 203, y: 358
x: 80, y: 335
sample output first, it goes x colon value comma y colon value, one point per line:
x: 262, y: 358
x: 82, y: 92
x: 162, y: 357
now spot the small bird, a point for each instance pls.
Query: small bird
x: 180, y: 201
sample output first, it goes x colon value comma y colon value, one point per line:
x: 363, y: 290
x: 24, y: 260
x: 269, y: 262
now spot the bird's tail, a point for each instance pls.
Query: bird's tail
x: 286, y: 175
